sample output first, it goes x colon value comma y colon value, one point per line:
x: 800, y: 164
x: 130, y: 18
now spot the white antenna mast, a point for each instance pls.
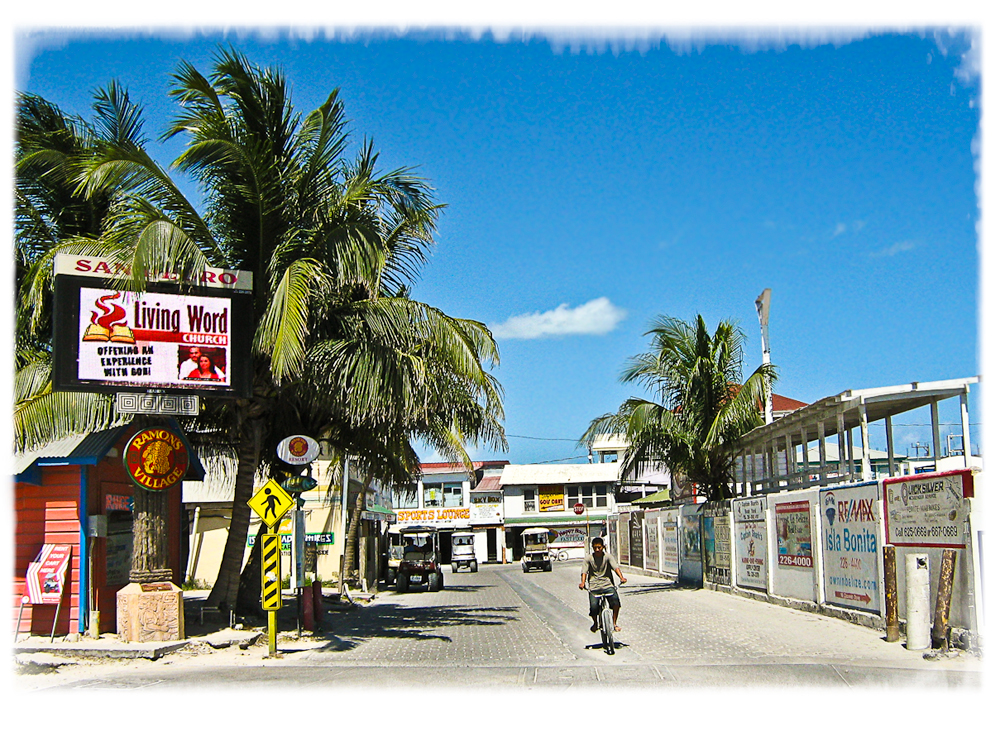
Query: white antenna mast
x: 763, y: 309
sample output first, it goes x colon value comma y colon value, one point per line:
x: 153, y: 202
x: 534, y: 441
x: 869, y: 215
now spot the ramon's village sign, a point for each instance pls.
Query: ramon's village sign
x: 156, y: 459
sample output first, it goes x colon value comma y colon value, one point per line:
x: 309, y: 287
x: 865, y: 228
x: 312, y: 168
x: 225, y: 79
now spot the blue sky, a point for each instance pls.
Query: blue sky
x: 595, y: 180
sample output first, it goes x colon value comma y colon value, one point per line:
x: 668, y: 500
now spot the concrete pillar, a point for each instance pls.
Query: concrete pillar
x: 935, y: 433
x: 842, y: 466
x: 966, y: 441
x: 805, y: 457
x: 866, y: 457
x: 821, y: 431
x: 888, y: 443
x: 850, y: 454
x: 789, y: 459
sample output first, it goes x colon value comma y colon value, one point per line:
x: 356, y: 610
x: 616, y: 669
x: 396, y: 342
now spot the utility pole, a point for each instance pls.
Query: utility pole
x: 763, y: 303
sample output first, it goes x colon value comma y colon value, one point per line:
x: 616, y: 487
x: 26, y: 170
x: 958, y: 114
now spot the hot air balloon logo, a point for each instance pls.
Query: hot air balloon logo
x: 830, y: 507
x: 110, y: 325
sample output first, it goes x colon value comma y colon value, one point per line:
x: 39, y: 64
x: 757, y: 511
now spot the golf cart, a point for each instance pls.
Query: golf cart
x: 463, y: 552
x: 536, y: 549
x: 419, y: 561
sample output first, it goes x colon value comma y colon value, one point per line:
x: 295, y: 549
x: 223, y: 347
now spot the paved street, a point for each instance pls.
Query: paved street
x: 502, y: 628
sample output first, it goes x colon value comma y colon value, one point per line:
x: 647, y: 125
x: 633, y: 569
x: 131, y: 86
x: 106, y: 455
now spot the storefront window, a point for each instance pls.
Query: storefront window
x: 452, y: 494
x: 443, y: 495
x: 405, y: 497
x: 529, y: 501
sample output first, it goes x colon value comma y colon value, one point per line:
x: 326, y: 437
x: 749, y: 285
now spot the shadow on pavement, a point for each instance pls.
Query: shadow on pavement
x: 389, y: 620
x: 654, y: 588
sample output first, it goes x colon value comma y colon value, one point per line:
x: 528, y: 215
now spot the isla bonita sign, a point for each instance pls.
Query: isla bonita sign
x: 850, y: 546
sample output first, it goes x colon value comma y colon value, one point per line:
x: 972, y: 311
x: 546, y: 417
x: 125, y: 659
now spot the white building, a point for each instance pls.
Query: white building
x: 447, y: 497
x: 544, y: 496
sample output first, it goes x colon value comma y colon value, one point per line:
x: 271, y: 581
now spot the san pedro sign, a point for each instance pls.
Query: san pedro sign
x: 156, y: 459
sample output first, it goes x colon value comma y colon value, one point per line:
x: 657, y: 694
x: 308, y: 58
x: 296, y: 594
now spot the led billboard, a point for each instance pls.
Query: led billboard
x: 190, y: 338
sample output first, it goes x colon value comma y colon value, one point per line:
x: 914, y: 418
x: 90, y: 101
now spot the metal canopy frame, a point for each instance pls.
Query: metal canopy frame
x: 838, y: 416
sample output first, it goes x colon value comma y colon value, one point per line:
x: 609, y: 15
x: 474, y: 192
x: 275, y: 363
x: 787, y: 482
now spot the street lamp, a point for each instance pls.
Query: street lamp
x: 763, y: 303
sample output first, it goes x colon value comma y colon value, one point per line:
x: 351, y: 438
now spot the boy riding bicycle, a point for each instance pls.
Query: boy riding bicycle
x: 597, y: 577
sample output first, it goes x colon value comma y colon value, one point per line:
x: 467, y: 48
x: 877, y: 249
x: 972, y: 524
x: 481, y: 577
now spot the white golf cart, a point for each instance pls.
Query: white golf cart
x: 415, y: 557
x: 535, y: 542
x: 463, y: 552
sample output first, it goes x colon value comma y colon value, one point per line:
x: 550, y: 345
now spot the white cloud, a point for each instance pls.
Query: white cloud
x: 597, y: 317
x: 839, y: 229
x: 897, y: 248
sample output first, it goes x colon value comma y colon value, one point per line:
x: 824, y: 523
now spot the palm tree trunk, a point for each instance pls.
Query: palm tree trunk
x: 226, y: 589
x: 351, y: 546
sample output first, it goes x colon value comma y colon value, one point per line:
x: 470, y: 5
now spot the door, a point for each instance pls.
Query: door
x: 491, y: 544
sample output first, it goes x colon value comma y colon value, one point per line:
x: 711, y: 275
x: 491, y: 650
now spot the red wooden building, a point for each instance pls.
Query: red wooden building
x: 59, y: 490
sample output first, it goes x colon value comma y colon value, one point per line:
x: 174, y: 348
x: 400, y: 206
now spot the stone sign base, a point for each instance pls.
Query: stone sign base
x: 152, y: 612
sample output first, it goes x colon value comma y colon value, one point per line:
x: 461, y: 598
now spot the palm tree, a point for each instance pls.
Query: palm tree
x: 51, y: 215
x: 340, y: 349
x: 700, y: 411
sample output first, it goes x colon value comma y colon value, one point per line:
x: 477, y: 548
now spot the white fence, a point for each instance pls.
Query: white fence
x: 819, y: 549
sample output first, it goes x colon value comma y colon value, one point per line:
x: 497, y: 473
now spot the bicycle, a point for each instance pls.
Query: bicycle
x: 605, y: 621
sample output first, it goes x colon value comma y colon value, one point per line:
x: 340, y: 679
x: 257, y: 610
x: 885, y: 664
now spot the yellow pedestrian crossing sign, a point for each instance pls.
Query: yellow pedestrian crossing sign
x: 271, y: 502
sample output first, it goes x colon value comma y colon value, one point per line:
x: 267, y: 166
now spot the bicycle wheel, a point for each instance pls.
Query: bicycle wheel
x: 608, y: 630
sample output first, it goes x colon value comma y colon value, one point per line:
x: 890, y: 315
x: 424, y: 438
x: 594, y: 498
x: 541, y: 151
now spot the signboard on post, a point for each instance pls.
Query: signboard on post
x: 178, y: 337
x: 750, y: 520
x: 156, y: 459
x: 298, y: 450
x: 271, y: 502
x: 850, y: 546
x: 928, y: 512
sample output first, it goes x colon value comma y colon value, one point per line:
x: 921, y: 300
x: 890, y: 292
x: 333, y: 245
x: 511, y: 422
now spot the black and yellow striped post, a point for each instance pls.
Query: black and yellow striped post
x: 270, y: 582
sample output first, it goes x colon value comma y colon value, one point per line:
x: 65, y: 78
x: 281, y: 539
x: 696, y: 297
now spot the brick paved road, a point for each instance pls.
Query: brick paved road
x: 501, y: 628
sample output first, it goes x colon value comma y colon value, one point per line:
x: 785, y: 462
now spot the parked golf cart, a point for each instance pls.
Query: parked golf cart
x: 463, y: 552
x: 419, y: 558
x: 536, y: 549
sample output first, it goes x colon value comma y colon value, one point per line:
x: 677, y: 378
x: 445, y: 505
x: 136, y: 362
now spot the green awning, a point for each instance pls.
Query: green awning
x: 657, y: 497
x: 543, y: 520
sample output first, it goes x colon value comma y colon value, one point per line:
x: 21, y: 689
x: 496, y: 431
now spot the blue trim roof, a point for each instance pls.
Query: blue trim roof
x: 89, y: 449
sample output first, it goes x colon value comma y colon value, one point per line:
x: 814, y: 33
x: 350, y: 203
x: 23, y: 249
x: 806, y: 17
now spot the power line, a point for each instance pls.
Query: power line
x: 564, y: 459
x: 543, y: 439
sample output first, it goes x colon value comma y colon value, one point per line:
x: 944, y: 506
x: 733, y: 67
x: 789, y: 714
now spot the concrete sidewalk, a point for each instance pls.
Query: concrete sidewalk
x: 208, y: 628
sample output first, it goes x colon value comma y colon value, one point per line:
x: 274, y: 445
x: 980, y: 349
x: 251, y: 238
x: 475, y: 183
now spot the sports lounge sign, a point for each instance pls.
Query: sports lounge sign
x: 156, y: 459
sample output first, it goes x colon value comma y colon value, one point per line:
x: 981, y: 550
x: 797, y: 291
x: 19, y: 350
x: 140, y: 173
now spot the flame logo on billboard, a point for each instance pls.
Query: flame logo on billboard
x: 110, y: 325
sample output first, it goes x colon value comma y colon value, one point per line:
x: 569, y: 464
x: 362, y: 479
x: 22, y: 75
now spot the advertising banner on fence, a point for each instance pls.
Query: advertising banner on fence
x: 635, y: 539
x: 623, y: 556
x: 715, y: 532
x: 793, y: 528
x: 668, y: 542
x: 652, y: 540
x: 927, y: 511
x: 750, y: 516
x: 850, y: 546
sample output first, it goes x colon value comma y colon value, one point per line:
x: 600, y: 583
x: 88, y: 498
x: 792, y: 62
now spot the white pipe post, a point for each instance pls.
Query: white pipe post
x: 763, y: 303
x: 918, y: 601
